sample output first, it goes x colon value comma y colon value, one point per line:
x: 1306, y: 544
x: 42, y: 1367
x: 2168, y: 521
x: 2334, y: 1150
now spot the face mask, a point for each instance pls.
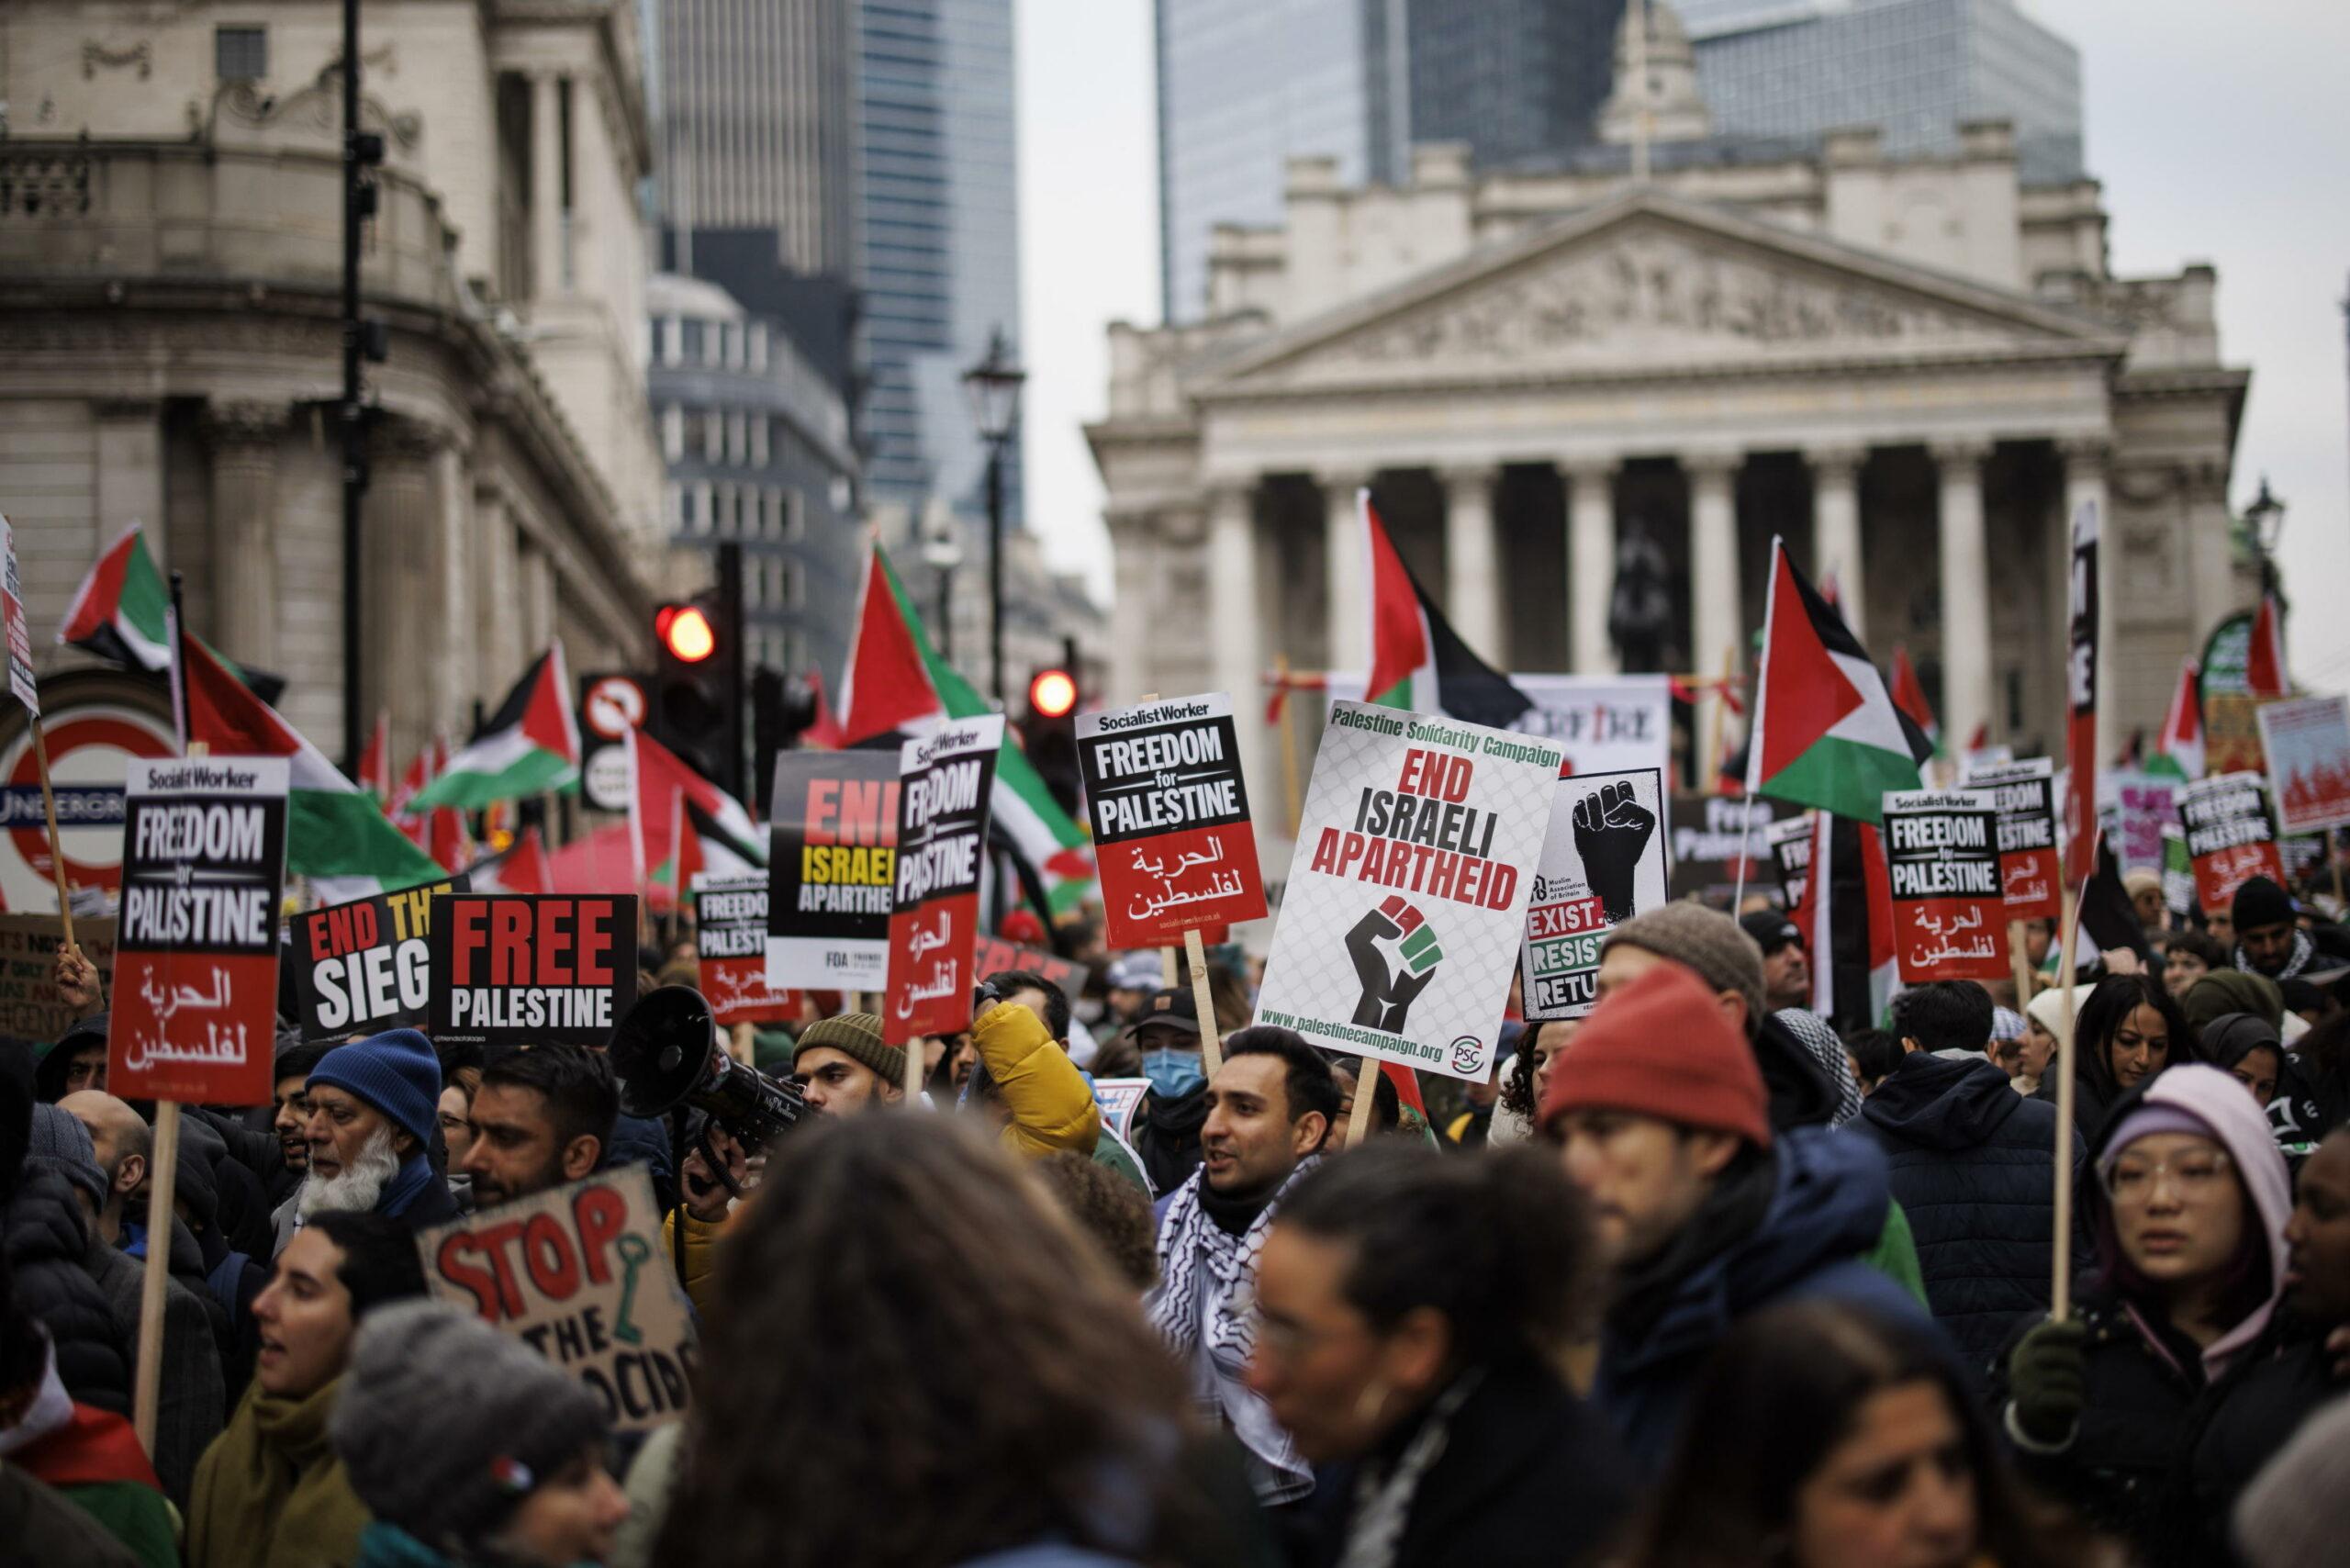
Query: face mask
x: 1173, y: 1074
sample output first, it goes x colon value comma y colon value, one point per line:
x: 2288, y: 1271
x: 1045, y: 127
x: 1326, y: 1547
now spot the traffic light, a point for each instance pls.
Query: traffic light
x: 1048, y: 734
x: 782, y: 706
x: 698, y: 678
x: 1052, y: 693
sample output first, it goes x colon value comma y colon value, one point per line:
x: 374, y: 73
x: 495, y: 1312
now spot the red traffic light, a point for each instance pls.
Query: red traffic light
x: 685, y: 632
x: 1052, y: 694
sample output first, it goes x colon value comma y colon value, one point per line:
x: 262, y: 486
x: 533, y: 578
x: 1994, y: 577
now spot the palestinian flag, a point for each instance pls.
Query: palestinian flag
x: 119, y: 611
x: 530, y: 746
x: 1826, y: 732
x: 682, y: 822
x: 2178, y: 750
x: 375, y: 761
x: 897, y: 683
x: 521, y: 868
x: 1909, y: 696
x: 823, y: 731
x: 1846, y: 918
x: 2107, y: 918
x: 335, y: 835
x: 1417, y: 662
x: 2264, y: 667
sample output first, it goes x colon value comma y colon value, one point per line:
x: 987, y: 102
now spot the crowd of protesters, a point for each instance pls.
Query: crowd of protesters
x: 1691, y: 1280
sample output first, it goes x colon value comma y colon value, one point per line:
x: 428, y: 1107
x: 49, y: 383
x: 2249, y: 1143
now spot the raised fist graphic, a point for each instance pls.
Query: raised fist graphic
x: 1612, y: 831
x: 1388, y: 992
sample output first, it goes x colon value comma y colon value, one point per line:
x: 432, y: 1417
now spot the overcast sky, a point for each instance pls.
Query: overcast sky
x: 2221, y: 132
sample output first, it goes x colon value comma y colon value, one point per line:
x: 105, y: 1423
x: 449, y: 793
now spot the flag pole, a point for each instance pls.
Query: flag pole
x: 1289, y: 750
x: 1365, y: 1090
x: 2060, y: 1294
x: 162, y: 1176
x: 57, y: 852
x: 1754, y: 724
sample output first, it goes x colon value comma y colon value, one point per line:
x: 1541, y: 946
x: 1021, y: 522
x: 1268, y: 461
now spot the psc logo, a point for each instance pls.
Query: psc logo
x: 1465, y: 1052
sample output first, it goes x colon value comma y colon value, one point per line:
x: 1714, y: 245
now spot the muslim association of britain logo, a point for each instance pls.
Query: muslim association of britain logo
x: 1391, y: 984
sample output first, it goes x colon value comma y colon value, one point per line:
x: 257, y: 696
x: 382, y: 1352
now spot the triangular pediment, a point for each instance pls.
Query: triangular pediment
x: 1649, y: 284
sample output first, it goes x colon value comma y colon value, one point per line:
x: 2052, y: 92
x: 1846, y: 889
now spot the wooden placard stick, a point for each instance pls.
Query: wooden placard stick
x: 57, y: 851
x: 1211, y: 1035
x: 1367, y: 1074
x: 914, y: 1070
x: 743, y: 1048
x: 1293, y: 800
x: 2023, y: 963
x: 2060, y: 1296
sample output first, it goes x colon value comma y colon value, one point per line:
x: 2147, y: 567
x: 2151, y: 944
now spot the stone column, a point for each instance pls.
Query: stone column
x: 1966, y: 592
x: 1348, y: 634
x: 1473, y: 561
x: 1236, y: 616
x: 401, y: 522
x: 242, y: 439
x: 493, y: 624
x: 1591, y: 563
x: 2085, y: 467
x: 1130, y: 650
x: 546, y: 184
x: 1713, y: 560
x: 1836, y: 529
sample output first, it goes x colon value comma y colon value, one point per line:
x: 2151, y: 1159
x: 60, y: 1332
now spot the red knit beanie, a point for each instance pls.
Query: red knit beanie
x: 1662, y: 1048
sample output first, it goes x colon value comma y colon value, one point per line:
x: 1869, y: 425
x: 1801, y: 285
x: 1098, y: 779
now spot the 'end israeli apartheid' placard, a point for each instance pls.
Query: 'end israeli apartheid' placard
x: 2025, y: 796
x: 1950, y: 918
x: 730, y: 943
x: 1603, y: 862
x: 194, y: 1015
x: 944, y: 781
x: 579, y: 1274
x: 532, y: 968
x: 367, y: 965
x: 832, y: 859
x: 1405, y: 908
x: 1169, y: 814
x: 2231, y: 837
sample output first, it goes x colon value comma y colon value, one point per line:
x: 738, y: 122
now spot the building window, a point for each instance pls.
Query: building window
x: 795, y: 516
x: 753, y: 588
x: 738, y: 439
x: 241, y: 54
x: 673, y: 433
x: 758, y: 345
x: 759, y: 441
x: 672, y: 341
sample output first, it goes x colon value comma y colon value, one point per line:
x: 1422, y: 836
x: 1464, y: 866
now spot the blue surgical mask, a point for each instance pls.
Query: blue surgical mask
x: 1173, y: 1074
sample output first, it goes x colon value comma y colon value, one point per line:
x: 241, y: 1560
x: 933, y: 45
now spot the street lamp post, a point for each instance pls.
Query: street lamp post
x: 994, y: 388
x: 2265, y: 520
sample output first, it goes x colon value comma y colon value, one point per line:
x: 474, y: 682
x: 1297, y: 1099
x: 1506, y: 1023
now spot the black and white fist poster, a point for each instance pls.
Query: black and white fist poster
x: 1601, y: 864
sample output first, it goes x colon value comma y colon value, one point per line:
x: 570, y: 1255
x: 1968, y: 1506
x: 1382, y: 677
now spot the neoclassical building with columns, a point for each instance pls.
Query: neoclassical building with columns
x: 1912, y: 372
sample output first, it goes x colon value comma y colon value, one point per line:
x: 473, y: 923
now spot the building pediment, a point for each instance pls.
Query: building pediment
x: 1648, y: 285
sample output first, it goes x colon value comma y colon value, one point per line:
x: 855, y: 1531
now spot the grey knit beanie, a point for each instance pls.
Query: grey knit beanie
x: 445, y: 1424
x: 62, y: 1144
x: 1689, y: 934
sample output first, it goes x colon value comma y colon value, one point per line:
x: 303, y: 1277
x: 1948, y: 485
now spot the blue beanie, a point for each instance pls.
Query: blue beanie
x: 395, y: 1072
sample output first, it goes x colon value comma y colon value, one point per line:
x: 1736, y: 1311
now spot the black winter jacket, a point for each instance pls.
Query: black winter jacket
x: 45, y: 1239
x: 1973, y: 1169
x: 1167, y: 1135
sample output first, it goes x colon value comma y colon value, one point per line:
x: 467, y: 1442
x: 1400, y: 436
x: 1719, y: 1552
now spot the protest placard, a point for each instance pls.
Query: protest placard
x: 532, y: 968
x: 579, y: 1274
x: 2178, y: 873
x: 1603, y: 862
x: 944, y: 783
x: 730, y: 944
x: 1119, y: 1097
x: 1601, y: 723
x: 2231, y: 734
x: 2135, y: 806
x: 21, y: 682
x: 2230, y: 838
x: 1405, y: 908
x: 2025, y: 793
x: 2081, y: 684
x: 365, y: 966
x: 195, y: 1002
x: 1712, y: 836
x: 1941, y: 852
x: 1790, y: 841
x: 992, y: 955
x: 1170, y: 814
x: 2307, y: 741
x: 832, y: 856
x: 30, y: 1006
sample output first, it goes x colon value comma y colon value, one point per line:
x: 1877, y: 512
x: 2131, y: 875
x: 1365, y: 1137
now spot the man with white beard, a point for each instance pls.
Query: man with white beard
x: 373, y: 1106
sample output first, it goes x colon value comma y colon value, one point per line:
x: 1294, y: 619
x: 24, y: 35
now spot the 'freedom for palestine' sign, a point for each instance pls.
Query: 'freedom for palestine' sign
x: 2231, y: 837
x: 194, y: 1011
x: 1942, y: 853
x: 1169, y: 814
x: 944, y: 781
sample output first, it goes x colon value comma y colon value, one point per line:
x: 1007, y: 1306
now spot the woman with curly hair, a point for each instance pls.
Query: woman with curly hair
x: 2127, y: 1033
x: 912, y: 1359
x: 1529, y: 1069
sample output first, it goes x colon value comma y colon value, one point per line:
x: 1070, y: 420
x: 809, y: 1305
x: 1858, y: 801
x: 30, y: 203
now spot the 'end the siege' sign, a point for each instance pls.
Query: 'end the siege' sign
x: 196, y: 957
x: 577, y: 1273
x: 532, y: 968
x: 1169, y: 814
x: 366, y: 966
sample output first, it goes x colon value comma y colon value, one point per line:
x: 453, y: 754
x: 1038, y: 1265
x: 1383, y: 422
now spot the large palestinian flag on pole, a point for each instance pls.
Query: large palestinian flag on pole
x: 336, y: 835
x: 1846, y: 917
x: 530, y: 746
x: 119, y: 611
x: 1826, y: 732
x: 683, y: 823
x: 897, y: 683
x: 1417, y: 662
x: 2263, y: 668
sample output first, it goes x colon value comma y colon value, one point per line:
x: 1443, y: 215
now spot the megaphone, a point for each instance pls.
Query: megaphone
x: 666, y: 1053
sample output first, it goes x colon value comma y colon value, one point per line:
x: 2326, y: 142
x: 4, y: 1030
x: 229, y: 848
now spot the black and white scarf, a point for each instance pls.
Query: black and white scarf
x: 2304, y: 952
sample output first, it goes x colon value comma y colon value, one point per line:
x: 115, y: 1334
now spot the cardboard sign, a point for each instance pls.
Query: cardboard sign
x: 532, y: 968
x: 1601, y: 723
x: 366, y: 966
x: 195, y: 963
x: 579, y: 1273
x: 2231, y: 734
x: 31, y: 1007
x: 2307, y: 740
x: 2025, y: 796
x: 21, y: 682
x: 2178, y: 873
x: 731, y: 942
x: 1603, y: 862
x: 992, y: 955
x: 1405, y: 907
x: 1169, y: 814
x: 2080, y: 700
x: 1949, y: 914
x: 2230, y: 837
x: 2135, y: 806
x: 1119, y: 1098
x: 1790, y: 841
x: 1711, y: 833
x: 832, y: 859
x: 944, y: 783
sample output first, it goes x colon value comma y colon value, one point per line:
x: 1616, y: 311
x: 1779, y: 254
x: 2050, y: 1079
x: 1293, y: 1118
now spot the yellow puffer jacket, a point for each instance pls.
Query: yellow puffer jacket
x: 1051, y: 1107
x: 702, y: 1236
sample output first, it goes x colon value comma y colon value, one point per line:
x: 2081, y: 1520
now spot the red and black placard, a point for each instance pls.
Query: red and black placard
x: 532, y: 969
x: 730, y: 943
x: 944, y: 781
x: 1170, y: 814
x: 1950, y: 919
